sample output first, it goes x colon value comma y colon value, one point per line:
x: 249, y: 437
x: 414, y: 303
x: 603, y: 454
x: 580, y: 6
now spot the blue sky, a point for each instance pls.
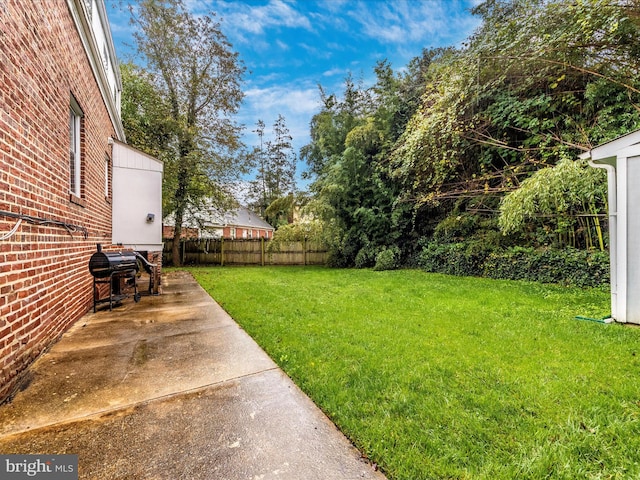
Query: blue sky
x: 289, y: 47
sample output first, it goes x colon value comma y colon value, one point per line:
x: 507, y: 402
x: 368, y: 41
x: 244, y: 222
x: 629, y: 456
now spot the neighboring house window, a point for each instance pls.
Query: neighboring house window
x: 233, y: 234
x: 244, y: 233
x: 75, y: 160
x: 250, y: 233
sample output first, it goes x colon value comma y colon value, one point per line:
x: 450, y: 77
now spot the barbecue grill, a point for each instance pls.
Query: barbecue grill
x: 103, y: 264
x: 116, y: 269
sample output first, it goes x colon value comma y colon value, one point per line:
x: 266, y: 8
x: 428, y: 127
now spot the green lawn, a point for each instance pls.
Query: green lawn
x: 437, y: 377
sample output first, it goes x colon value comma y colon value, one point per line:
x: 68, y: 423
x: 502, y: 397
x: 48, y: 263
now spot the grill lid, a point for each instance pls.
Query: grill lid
x: 102, y: 264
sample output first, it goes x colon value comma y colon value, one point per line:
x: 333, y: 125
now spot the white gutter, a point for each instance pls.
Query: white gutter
x: 77, y: 9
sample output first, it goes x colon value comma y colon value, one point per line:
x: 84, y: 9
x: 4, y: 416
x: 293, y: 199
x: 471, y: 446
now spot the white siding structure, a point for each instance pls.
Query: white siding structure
x: 137, y: 199
x: 621, y: 159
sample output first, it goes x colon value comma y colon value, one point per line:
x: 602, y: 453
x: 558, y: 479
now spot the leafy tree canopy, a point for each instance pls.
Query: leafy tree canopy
x: 196, y: 74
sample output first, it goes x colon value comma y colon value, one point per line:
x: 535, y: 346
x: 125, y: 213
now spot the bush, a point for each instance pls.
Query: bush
x: 455, y: 227
x: 568, y: 266
x: 387, y: 259
x: 366, y: 256
x: 444, y: 258
x: 464, y: 259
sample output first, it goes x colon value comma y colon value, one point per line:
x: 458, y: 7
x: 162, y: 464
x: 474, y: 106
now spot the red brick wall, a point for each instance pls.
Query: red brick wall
x: 187, y: 232
x: 167, y: 232
x: 45, y: 284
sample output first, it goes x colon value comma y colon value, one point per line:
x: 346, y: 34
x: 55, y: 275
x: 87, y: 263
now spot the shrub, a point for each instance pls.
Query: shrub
x: 567, y: 266
x: 387, y: 259
x: 462, y: 258
x: 366, y: 256
x: 446, y: 258
x: 455, y: 227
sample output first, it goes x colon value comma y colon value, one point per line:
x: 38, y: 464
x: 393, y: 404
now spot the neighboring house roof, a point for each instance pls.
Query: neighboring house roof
x: 241, y: 217
x: 211, y: 217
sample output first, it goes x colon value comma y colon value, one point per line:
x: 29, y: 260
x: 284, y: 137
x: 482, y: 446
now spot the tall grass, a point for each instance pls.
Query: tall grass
x: 436, y: 377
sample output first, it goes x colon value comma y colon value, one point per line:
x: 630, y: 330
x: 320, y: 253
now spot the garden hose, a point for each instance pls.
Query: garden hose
x: 605, y: 319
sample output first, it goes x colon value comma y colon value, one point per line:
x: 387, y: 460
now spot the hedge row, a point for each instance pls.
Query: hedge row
x: 569, y: 266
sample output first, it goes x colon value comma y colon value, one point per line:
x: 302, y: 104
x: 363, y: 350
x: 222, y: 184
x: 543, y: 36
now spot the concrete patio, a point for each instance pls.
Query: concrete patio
x: 173, y: 388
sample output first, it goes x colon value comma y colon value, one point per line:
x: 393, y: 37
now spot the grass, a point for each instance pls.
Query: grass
x: 439, y: 377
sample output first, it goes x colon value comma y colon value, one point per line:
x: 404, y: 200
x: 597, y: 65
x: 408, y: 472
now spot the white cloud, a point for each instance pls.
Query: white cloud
x: 256, y: 19
x: 282, y: 45
x: 316, y: 51
x: 335, y: 71
x: 296, y: 105
x: 297, y: 101
x: 397, y: 21
x: 336, y: 5
x: 405, y: 21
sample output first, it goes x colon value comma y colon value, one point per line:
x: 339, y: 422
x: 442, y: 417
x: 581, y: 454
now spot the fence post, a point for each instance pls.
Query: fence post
x: 304, y: 251
x: 262, y: 250
x: 222, y: 252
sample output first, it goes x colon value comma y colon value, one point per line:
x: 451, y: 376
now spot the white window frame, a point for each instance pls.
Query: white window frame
x: 106, y: 176
x: 75, y: 156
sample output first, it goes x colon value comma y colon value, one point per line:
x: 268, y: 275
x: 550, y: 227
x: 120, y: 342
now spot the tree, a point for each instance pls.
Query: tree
x: 145, y: 112
x: 276, y: 170
x: 398, y: 95
x: 354, y: 195
x: 539, y: 81
x: 330, y: 127
x: 258, y: 187
x: 146, y: 120
x: 281, y: 170
x: 433, y: 150
x: 192, y: 66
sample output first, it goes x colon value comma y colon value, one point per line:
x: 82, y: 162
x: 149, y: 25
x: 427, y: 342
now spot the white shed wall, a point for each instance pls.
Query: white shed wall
x: 629, y: 236
x: 621, y: 159
x: 137, y: 192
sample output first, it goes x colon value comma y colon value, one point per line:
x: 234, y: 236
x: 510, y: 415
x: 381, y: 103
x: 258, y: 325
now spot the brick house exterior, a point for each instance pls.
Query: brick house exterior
x: 59, y: 107
x: 246, y: 232
x: 228, y: 232
x: 187, y: 233
x: 239, y: 223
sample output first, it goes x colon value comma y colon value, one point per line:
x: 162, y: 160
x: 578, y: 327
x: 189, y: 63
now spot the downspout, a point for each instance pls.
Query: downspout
x: 613, y: 231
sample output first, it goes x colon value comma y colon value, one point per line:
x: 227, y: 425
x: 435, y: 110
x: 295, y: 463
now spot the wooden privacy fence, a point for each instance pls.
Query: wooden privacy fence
x: 245, y: 252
